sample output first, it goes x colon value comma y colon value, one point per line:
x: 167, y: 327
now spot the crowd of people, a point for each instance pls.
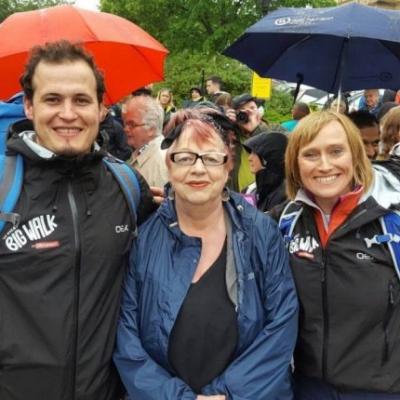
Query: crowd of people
x: 262, y: 262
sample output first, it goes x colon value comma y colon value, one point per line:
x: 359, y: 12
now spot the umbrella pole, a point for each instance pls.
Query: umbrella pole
x: 300, y: 79
x: 342, y: 66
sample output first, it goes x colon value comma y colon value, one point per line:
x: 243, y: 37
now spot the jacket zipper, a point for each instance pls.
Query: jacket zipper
x: 325, y: 317
x: 77, y: 269
x: 388, y: 316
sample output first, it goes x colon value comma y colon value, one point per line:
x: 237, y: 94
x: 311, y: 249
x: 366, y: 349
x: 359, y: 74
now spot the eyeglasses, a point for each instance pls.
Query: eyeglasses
x: 132, y: 125
x: 187, y: 158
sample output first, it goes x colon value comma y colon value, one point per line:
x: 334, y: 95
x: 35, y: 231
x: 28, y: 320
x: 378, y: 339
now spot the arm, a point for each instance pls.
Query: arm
x: 262, y: 370
x: 143, y: 378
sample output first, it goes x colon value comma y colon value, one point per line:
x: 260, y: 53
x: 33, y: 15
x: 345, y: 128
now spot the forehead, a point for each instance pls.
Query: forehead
x: 370, y: 133
x: 65, y: 77
x: 249, y: 104
x: 190, y: 138
x: 331, y: 133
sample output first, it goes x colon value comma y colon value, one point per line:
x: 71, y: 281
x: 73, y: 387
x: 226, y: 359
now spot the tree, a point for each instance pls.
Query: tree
x: 8, y: 7
x: 200, y: 25
x: 196, y: 32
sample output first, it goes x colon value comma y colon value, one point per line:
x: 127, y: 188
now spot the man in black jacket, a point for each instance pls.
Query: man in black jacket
x: 61, y: 268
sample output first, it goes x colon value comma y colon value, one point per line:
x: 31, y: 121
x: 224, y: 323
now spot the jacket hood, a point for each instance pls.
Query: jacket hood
x: 386, y: 185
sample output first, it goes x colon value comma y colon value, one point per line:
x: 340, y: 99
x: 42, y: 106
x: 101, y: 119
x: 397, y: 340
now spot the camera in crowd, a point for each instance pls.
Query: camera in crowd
x: 242, y: 117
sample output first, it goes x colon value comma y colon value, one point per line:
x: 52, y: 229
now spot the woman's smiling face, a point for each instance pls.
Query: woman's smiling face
x: 326, y: 165
x: 198, y: 184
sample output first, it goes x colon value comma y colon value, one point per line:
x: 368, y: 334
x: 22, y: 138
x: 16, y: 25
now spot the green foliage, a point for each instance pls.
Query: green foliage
x: 187, y: 69
x: 8, y: 7
x: 278, y: 108
x: 200, y: 25
x: 196, y: 32
x: 273, y: 4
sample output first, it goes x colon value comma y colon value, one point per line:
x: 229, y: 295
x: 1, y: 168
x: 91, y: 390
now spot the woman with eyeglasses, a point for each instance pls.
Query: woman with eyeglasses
x: 209, y: 310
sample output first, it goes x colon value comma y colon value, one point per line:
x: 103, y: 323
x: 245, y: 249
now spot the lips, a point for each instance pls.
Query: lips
x: 68, y: 131
x: 326, y: 179
x: 198, y: 184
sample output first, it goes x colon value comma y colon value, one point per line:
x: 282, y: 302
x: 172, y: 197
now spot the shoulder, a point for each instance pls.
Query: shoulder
x: 251, y: 220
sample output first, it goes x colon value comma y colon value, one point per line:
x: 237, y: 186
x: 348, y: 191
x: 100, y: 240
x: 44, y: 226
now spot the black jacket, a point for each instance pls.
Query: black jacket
x: 349, y: 294
x: 60, y: 277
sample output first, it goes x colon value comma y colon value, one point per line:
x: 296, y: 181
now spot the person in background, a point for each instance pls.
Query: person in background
x: 299, y: 111
x: 348, y: 346
x: 143, y: 122
x: 63, y: 263
x: 384, y: 109
x: 196, y: 96
x: 214, y: 87
x: 209, y: 310
x: 390, y: 131
x: 165, y: 99
x: 247, y: 112
x: 368, y: 125
x: 144, y: 91
x: 115, y: 138
x: 371, y: 101
x: 267, y: 163
x: 341, y: 105
x: 224, y: 102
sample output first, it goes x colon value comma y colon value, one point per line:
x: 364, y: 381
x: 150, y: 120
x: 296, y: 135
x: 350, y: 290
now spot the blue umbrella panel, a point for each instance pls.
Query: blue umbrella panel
x: 335, y: 49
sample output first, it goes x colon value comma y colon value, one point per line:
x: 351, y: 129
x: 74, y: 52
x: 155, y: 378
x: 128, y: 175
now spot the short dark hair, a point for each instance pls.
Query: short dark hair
x: 363, y: 119
x: 215, y: 79
x: 57, y: 53
x: 302, y: 109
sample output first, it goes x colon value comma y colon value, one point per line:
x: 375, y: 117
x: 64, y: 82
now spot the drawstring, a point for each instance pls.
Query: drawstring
x: 88, y: 212
x: 57, y: 195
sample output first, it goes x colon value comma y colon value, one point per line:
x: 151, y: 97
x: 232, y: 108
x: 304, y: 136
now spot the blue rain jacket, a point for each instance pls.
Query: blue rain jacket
x: 259, y: 282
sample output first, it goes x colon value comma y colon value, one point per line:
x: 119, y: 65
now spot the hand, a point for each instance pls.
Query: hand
x: 158, y: 194
x: 215, y: 397
x: 231, y: 114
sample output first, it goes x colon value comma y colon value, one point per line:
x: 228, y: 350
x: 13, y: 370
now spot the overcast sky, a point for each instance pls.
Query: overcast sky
x: 89, y: 4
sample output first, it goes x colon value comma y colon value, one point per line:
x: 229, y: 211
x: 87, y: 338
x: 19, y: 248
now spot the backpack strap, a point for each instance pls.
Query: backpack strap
x: 391, y: 230
x: 10, y: 188
x: 128, y: 181
x: 288, y: 219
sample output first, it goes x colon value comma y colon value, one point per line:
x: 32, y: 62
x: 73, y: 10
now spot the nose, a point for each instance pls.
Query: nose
x: 67, y: 110
x: 325, y: 162
x: 198, y: 166
x: 371, y: 150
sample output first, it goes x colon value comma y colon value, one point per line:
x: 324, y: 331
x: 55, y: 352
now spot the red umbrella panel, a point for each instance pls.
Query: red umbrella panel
x: 127, y: 55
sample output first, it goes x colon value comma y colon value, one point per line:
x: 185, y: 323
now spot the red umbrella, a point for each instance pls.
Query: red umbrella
x: 128, y: 56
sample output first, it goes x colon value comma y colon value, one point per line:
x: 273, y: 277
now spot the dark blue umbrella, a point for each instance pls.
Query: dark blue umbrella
x: 334, y: 49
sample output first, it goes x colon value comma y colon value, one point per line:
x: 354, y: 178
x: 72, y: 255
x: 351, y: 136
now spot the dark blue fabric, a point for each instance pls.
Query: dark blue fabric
x: 314, y: 389
x: 163, y: 262
x: 353, y: 44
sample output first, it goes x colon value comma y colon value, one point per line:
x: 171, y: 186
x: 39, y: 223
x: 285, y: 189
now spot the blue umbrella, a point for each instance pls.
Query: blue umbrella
x: 334, y: 49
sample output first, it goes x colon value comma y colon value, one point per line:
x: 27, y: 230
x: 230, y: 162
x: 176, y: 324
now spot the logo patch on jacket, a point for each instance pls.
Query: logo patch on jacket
x: 33, y: 230
x: 303, y: 246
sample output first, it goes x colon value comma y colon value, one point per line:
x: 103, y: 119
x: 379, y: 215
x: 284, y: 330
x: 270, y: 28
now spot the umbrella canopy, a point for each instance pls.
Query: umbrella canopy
x: 128, y: 56
x: 337, y: 48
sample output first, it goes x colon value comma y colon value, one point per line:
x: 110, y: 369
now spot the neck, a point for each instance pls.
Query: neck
x: 199, y: 219
x: 327, y: 205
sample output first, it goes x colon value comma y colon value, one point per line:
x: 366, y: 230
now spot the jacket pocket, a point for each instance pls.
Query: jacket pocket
x: 392, y: 305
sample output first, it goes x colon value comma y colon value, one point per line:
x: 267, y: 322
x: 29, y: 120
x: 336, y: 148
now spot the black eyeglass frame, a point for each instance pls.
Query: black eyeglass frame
x: 199, y: 155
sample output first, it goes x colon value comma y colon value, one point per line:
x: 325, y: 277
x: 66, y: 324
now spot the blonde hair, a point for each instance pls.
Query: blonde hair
x: 307, y: 130
x: 170, y: 104
x: 390, y: 130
